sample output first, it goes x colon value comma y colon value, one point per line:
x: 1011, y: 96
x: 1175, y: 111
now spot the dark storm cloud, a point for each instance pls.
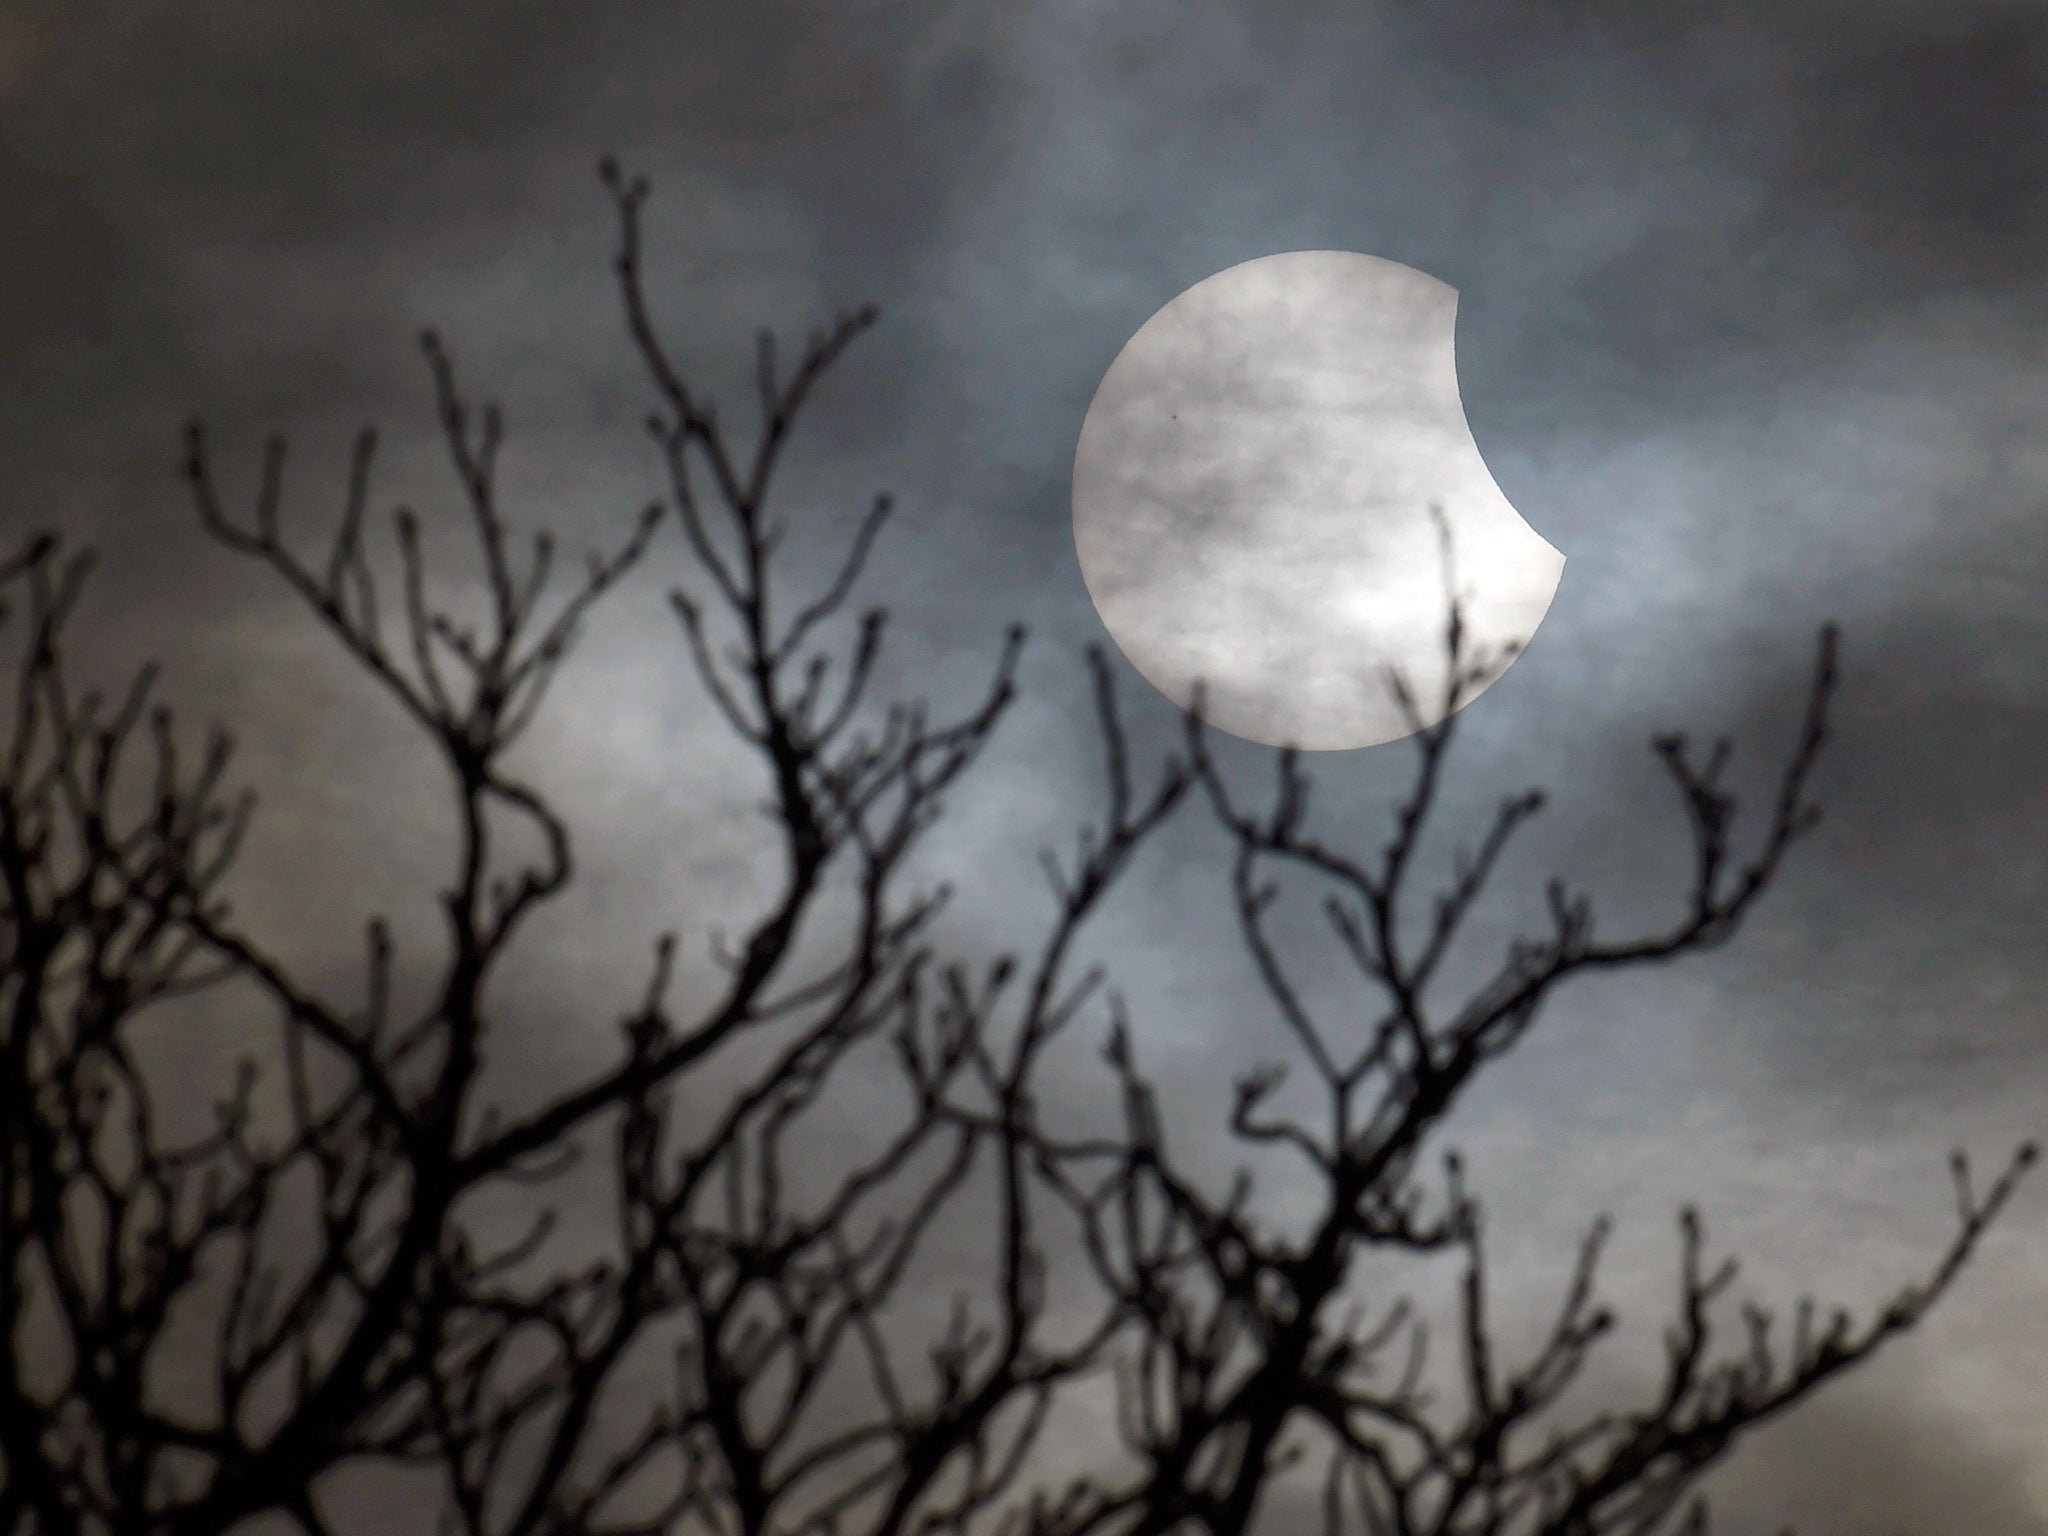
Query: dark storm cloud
x: 1787, y: 176
x: 162, y: 133
x: 160, y: 153
x: 86, y: 300
x: 1921, y: 133
x: 1917, y: 131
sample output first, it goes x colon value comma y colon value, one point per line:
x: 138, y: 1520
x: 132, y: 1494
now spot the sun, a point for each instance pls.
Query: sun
x: 1268, y: 485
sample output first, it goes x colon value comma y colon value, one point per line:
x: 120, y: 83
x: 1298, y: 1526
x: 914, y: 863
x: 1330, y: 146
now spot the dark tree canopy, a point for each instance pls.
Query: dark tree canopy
x: 200, y: 1333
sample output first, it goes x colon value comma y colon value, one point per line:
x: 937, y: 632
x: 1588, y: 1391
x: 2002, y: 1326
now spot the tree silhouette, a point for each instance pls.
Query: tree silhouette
x: 203, y: 1332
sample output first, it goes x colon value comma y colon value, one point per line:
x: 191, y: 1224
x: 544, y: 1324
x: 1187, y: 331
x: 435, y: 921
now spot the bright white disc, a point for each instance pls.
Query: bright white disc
x: 1252, y: 501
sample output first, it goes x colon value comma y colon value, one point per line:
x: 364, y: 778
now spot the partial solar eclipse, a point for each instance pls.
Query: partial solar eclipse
x: 1253, y: 495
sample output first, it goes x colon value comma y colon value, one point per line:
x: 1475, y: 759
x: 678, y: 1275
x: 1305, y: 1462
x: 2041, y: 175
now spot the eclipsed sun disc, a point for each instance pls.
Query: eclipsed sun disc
x: 1266, y: 487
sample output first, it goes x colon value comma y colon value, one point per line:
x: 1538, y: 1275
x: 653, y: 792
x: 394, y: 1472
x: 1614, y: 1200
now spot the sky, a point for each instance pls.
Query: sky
x: 1753, y: 327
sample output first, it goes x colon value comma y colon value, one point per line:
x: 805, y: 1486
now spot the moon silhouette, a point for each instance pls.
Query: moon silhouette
x: 1268, y: 485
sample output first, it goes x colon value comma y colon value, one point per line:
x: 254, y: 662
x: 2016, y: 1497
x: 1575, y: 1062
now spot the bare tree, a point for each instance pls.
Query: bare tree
x: 749, y: 1349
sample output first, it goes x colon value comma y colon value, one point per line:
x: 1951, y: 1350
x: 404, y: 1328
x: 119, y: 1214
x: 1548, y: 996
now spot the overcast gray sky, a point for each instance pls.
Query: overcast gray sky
x: 1753, y: 327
